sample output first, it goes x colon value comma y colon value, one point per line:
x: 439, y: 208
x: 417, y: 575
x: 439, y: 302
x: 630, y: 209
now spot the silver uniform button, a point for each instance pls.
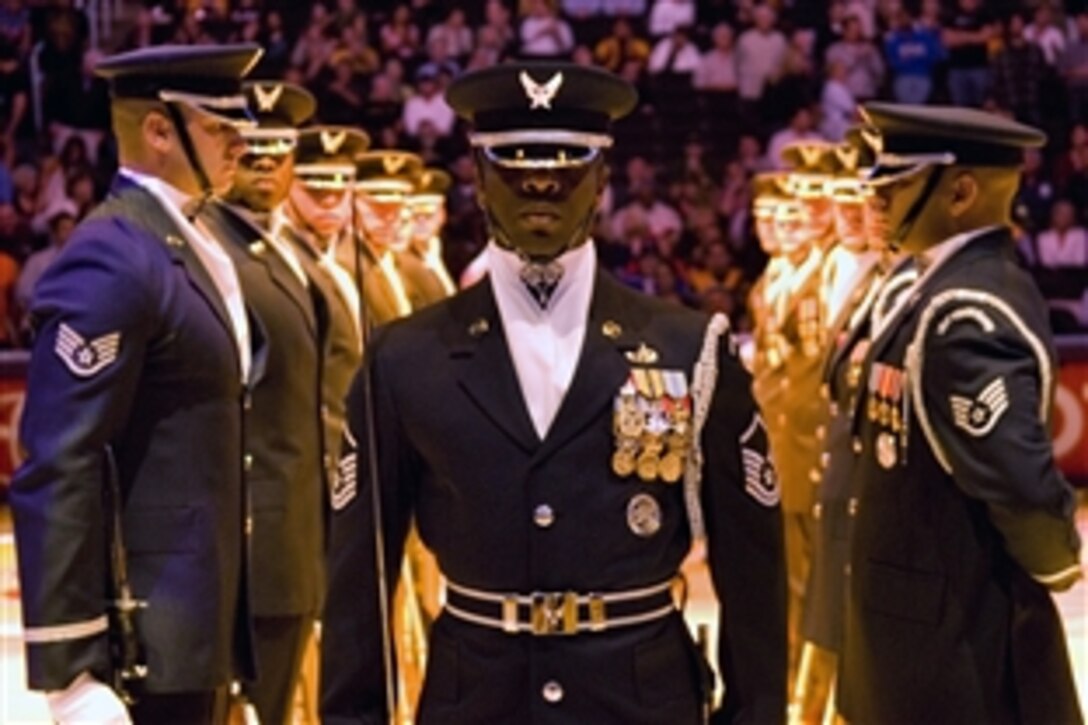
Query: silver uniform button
x: 552, y: 692
x: 543, y: 516
x: 247, y: 462
x: 857, y: 445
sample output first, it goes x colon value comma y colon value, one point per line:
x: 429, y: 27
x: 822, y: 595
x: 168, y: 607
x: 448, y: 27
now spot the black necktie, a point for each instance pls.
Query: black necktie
x: 541, y: 279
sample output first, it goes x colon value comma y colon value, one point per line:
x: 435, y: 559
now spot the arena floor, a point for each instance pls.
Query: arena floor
x: 20, y: 707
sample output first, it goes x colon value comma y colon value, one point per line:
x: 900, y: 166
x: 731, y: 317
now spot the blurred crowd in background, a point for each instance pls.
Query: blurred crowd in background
x: 725, y: 84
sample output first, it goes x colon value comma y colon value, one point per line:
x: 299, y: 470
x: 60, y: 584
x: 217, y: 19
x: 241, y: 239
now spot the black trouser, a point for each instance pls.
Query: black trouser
x: 181, y: 708
x: 279, y: 643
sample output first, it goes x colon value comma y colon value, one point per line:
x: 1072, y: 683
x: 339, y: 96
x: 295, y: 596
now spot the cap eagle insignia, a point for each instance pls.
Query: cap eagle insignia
x: 267, y: 97
x: 331, y: 141
x: 540, y: 95
x: 392, y: 164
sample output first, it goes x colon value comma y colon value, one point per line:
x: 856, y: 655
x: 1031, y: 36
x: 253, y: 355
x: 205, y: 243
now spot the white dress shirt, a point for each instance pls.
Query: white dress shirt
x: 544, y: 344
x: 215, y: 260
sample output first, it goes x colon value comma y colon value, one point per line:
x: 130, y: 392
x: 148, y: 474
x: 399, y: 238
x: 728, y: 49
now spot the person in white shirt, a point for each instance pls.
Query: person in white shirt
x: 717, y: 70
x: 427, y: 105
x: 543, y: 33
x: 761, y: 55
x: 1065, y: 243
x: 674, y: 53
x: 668, y: 15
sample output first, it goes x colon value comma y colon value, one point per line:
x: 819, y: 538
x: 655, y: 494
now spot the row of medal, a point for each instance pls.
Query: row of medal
x: 884, y: 408
x: 652, y: 425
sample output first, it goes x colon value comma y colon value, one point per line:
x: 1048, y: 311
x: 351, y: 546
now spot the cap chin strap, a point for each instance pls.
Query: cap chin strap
x: 936, y: 172
x: 190, y: 155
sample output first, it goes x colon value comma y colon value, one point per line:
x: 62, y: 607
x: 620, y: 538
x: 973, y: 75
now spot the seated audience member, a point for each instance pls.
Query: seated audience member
x: 1065, y: 243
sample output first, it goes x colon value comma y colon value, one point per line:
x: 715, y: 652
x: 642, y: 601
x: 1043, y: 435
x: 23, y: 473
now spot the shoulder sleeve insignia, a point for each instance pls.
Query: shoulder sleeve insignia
x: 979, y: 415
x: 760, y: 479
x: 345, y: 485
x: 85, y: 359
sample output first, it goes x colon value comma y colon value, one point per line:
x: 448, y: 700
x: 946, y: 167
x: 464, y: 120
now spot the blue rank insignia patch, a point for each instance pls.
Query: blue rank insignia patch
x: 86, y: 358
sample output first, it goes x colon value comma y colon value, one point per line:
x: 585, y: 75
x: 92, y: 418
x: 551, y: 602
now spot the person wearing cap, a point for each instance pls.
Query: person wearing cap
x: 130, y: 508
x: 384, y: 180
x: 963, y: 523
x: 284, y: 472
x: 769, y: 193
x: 880, y: 277
x: 422, y: 268
x: 317, y: 214
x: 787, y: 373
x: 567, y: 442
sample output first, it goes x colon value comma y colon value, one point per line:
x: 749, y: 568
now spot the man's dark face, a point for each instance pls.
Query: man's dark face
x: 540, y: 211
x: 262, y: 181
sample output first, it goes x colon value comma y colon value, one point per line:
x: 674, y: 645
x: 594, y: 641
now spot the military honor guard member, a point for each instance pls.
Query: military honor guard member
x: 384, y: 179
x: 768, y: 196
x: 318, y: 214
x: 130, y: 509
x: 283, y: 432
x: 568, y: 441
x: 420, y: 259
x: 963, y: 523
x: 790, y: 361
x: 881, y: 276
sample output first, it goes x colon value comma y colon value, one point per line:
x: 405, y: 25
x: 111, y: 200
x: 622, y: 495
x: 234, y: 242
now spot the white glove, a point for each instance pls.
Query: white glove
x: 86, y: 701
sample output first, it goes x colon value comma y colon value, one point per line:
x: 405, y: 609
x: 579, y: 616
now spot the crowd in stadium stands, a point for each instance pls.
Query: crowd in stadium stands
x: 724, y: 84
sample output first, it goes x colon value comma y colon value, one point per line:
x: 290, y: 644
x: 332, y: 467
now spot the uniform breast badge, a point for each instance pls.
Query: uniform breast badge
x: 884, y: 410
x: 651, y: 424
x: 643, y: 515
x: 886, y: 450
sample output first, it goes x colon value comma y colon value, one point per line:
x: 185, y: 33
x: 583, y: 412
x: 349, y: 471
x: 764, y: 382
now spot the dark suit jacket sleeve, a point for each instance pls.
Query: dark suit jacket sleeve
x: 97, y: 287
x: 747, y: 559
x: 981, y: 393
x: 352, y: 665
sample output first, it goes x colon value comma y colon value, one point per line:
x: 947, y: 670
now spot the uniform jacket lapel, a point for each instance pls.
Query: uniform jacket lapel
x: 485, y: 370
x: 253, y: 239
x: 135, y: 203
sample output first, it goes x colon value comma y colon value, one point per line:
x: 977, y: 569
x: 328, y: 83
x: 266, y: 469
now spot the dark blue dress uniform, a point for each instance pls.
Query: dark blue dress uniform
x: 153, y: 377
x: 504, y: 511
x: 835, y: 507
x: 963, y: 519
x: 549, y: 523
x: 324, y: 158
x: 136, y: 385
